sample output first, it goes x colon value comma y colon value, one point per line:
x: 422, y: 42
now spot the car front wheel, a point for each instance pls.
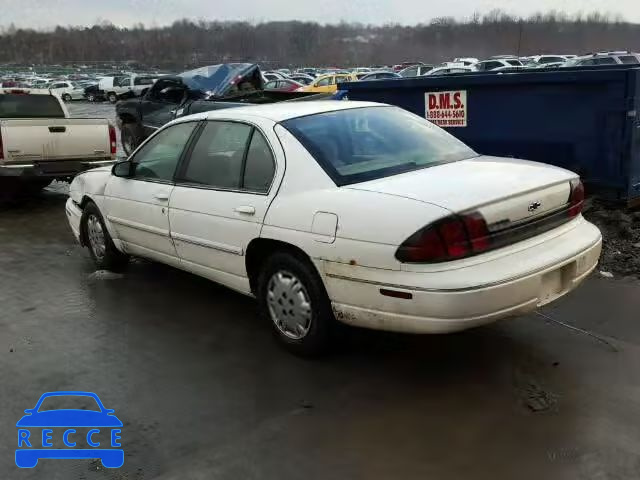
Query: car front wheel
x: 97, y: 239
x: 293, y: 299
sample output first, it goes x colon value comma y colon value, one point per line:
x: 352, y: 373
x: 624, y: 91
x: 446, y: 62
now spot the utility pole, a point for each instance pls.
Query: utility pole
x: 520, y: 26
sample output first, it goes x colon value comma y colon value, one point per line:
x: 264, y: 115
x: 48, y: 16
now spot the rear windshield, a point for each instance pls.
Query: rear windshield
x: 361, y: 144
x: 515, y: 63
x: 29, y: 106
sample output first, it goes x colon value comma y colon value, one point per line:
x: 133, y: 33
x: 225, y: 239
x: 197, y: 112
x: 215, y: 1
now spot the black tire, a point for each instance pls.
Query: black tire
x: 130, y: 137
x: 36, y: 185
x: 91, y: 97
x: 112, y: 97
x: 66, y: 97
x: 10, y: 190
x: 321, y: 326
x: 112, y: 259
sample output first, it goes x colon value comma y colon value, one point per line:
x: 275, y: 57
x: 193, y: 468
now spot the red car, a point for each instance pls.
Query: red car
x: 286, y: 85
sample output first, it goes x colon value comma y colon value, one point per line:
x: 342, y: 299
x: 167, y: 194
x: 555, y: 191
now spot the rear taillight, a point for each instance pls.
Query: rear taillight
x: 451, y: 238
x: 576, y: 198
x: 112, y: 139
x: 1, y: 148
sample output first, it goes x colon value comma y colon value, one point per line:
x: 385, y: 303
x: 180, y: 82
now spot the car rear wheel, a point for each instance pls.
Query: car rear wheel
x: 96, y: 238
x: 113, y: 98
x: 293, y: 299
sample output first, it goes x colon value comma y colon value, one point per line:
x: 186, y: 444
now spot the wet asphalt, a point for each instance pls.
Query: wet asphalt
x: 204, y: 392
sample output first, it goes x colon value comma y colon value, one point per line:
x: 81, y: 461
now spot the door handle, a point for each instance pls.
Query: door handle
x: 161, y: 196
x: 246, y: 209
x: 57, y: 129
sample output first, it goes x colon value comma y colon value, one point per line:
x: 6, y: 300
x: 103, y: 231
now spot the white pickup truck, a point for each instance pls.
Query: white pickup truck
x: 126, y: 87
x: 39, y: 143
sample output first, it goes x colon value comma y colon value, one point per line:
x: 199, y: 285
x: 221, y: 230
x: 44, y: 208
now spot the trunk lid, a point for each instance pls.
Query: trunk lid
x: 503, y: 190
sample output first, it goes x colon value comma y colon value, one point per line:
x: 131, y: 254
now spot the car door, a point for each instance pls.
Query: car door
x: 324, y: 85
x: 221, y: 197
x: 137, y: 206
x: 160, y: 104
x: 57, y: 88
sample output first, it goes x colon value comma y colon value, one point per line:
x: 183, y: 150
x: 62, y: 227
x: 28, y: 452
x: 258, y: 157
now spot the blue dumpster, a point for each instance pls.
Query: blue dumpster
x: 586, y: 120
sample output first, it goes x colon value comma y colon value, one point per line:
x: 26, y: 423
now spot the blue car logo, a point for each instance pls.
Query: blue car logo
x: 94, y: 430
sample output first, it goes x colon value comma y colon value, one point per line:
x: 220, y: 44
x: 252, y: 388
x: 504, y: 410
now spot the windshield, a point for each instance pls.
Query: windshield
x: 218, y: 80
x: 69, y: 402
x: 363, y: 144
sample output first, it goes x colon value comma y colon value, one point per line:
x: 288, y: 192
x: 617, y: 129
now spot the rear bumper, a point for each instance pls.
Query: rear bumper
x: 359, y: 302
x: 52, y: 169
x: 111, y: 458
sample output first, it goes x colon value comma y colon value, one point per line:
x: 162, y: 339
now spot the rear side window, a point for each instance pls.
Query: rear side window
x: 260, y: 166
x: 29, y: 106
x: 551, y: 59
x: 216, y: 160
x: 628, y: 59
x: 515, y: 63
x: 231, y: 156
x: 604, y: 61
x: 142, y: 81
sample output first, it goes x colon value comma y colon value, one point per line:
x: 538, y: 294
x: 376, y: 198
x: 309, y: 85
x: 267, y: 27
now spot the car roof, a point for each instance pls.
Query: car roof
x: 281, y: 111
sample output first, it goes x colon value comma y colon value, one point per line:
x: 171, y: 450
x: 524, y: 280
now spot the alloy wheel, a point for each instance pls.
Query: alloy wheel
x: 96, y: 238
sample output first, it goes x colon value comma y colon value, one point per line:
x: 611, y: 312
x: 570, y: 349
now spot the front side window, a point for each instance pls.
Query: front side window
x: 323, y: 82
x: 361, y: 144
x: 159, y: 157
x: 217, y: 157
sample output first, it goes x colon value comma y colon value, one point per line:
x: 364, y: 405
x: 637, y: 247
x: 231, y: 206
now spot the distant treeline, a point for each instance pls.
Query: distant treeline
x: 189, y: 43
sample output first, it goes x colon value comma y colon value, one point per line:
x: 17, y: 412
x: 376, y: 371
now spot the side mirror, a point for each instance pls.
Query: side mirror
x: 123, y: 169
x: 29, y: 411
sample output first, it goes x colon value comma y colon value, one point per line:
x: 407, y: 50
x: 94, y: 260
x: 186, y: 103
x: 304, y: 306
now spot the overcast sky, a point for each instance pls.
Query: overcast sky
x: 47, y: 13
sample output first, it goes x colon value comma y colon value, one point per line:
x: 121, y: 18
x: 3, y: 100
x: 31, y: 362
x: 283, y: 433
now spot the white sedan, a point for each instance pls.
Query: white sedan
x: 356, y: 212
x: 67, y: 90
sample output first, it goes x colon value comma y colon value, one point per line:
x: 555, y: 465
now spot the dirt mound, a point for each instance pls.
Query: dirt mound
x: 621, y: 233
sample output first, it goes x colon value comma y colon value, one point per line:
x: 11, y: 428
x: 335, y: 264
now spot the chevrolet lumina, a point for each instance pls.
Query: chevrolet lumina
x: 349, y: 212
